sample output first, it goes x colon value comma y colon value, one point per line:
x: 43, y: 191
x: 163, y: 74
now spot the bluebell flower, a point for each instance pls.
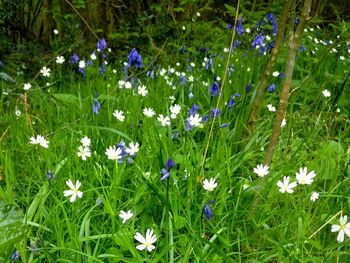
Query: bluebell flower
x: 150, y: 74
x: 96, y: 104
x: 281, y: 75
x: 122, y: 146
x: 74, y: 59
x: 214, y: 89
x: 296, y: 21
x: 82, y: 71
x: 205, y: 118
x: 50, y: 176
x: 271, y: 88
x: 194, y: 108
x: 223, y: 125
x: 248, y: 87
x: 239, y: 27
x: 236, y: 43
x: 207, y: 211
x: 263, y: 50
x: 15, y: 255
x: 99, y: 201
x: 258, y: 41
x: 134, y: 59
x: 272, y: 19
x: 231, y: 102
x: 215, y: 112
x: 101, y: 44
x: 1, y: 64
x: 302, y: 48
x: 165, y: 174
x: 102, y: 68
x: 182, y: 80
x: 169, y: 164
x: 229, y: 26
x: 209, y: 63
x: 89, y: 62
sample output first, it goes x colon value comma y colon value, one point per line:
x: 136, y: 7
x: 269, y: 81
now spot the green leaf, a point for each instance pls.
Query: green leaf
x: 12, y: 227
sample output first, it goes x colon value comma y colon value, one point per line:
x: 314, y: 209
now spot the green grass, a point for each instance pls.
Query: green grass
x: 283, y: 228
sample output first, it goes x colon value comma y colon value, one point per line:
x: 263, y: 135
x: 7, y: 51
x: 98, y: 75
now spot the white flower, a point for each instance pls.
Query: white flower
x: 326, y: 93
x: 175, y: 110
x: 18, y: 113
x: 27, y: 86
x: 39, y: 140
x: 343, y: 227
x: 271, y: 108
x: 141, y: 90
x: 55, y: 31
x: 146, y: 243
x: 114, y: 153
x: 74, y: 191
x: 285, y: 186
x: 148, y: 112
x: 125, y: 215
x: 275, y: 74
x: 305, y: 178
x: 191, y: 78
x: 119, y: 115
x: 198, y: 14
x: 121, y: 84
x: 45, y: 71
x: 209, y: 185
x: 314, y: 196
x: 60, y: 60
x: 128, y: 85
x: 93, y: 56
x: 83, y: 152
x: 132, y: 149
x: 195, y: 120
x: 82, y: 64
x: 164, y: 120
x: 261, y: 170
x: 226, y: 50
x: 85, y: 141
x: 247, y: 30
x: 342, y: 58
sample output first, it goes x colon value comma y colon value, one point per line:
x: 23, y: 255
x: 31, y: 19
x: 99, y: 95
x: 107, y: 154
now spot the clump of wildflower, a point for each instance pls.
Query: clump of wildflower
x: 146, y: 242
x: 326, y: 93
x: 314, y: 196
x: 39, y: 140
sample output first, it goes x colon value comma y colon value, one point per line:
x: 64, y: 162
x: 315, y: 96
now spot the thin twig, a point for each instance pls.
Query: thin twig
x: 318, y: 230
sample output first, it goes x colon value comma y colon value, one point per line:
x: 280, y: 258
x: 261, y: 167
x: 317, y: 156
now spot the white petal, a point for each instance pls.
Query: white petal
x: 73, y: 197
x: 70, y: 184
x: 343, y: 220
x: 78, y: 184
x: 80, y: 194
x: 68, y: 192
x: 340, y: 237
x: 335, y: 228
x: 150, y: 248
x: 141, y: 247
x: 139, y: 238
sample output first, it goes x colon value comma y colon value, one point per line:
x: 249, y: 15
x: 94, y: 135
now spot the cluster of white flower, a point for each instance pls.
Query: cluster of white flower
x: 39, y: 140
x: 84, y: 149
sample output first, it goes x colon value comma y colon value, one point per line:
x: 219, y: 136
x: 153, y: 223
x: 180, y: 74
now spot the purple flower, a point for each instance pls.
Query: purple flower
x: 205, y: 118
x: 150, y: 74
x: 229, y: 26
x: 182, y: 80
x: 231, y: 102
x: 102, y: 68
x: 50, y: 176
x: 1, y: 64
x: 224, y: 125
x: 248, y: 87
x: 96, y: 104
x: 74, y: 59
x: 302, y: 48
x: 209, y: 63
x: 101, y: 44
x: 215, y: 112
x: 15, y: 255
x: 134, y: 59
x: 165, y: 174
x: 169, y: 164
x: 194, y: 108
x: 122, y: 147
x: 258, y: 41
x: 207, y: 211
x: 214, y: 89
x: 271, y: 88
x: 239, y: 27
x: 272, y: 19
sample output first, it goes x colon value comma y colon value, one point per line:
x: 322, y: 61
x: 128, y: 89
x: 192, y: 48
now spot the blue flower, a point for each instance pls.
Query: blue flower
x: 207, y: 211
x: 224, y: 125
x: 239, y: 27
x: 182, y: 80
x: 165, y: 174
x: 96, y: 104
x: 215, y: 112
x: 231, y: 102
x: 74, y: 59
x: 248, y: 87
x: 271, y: 88
x: 209, y: 63
x: 302, y: 48
x: 50, y: 176
x: 102, y: 68
x: 15, y: 255
x: 205, y: 118
x: 214, y: 89
x: 194, y: 108
x: 101, y: 44
x: 1, y: 64
x: 169, y: 164
x: 134, y: 59
x: 272, y: 19
x: 258, y: 41
x: 150, y: 74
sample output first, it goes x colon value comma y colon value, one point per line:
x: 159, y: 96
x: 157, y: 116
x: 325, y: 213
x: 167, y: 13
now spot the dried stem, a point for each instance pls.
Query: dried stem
x: 258, y: 99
